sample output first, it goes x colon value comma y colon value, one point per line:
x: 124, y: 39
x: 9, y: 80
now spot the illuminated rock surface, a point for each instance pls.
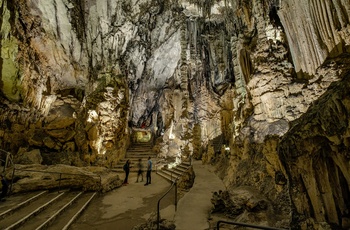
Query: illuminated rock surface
x: 269, y: 79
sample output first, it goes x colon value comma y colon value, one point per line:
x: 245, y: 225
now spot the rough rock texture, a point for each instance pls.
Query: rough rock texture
x: 246, y: 206
x: 315, y: 152
x: 187, y: 179
x: 152, y: 224
x: 324, y: 24
x: 77, y: 76
x: 40, y: 177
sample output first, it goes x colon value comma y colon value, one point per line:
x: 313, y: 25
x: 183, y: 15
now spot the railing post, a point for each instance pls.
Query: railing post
x: 59, y: 182
x: 13, y: 175
x: 175, y: 195
x: 158, y: 215
x: 174, y: 183
x: 6, y: 162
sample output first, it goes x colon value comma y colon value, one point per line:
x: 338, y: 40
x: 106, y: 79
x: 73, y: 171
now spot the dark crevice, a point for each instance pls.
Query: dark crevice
x: 274, y: 19
x: 1, y: 38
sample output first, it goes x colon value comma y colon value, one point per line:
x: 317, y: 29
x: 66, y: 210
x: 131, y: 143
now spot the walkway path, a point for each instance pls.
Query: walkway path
x: 127, y: 206
x: 133, y: 204
x: 193, y: 209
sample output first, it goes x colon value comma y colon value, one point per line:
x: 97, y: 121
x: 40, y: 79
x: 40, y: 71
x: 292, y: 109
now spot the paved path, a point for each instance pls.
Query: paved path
x: 193, y: 209
x: 125, y: 207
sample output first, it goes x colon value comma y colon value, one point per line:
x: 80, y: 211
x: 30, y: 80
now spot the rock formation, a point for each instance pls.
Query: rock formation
x: 267, y: 79
x: 35, y: 177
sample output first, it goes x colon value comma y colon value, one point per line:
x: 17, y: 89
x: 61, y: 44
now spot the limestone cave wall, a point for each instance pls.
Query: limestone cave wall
x: 315, y: 153
x: 77, y: 76
x: 296, y: 58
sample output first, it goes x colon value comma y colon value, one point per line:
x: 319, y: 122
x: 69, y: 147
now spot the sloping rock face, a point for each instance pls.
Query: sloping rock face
x: 76, y: 76
x: 315, y: 152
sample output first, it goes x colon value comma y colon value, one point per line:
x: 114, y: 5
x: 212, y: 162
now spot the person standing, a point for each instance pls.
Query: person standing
x: 126, y: 169
x: 140, y: 171
x: 149, y: 170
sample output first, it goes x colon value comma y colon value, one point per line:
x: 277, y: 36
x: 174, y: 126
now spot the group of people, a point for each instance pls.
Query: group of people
x: 127, y: 167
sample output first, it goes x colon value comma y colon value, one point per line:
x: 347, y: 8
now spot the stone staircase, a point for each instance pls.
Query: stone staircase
x: 136, y: 151
x: 171, y: 174
x: 43, y: 209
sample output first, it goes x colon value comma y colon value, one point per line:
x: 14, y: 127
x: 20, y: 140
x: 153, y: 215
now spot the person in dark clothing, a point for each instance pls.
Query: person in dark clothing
x: 5, y: 187
x: 140, y: 171
x: 126, y: 168
x: 149, y: 171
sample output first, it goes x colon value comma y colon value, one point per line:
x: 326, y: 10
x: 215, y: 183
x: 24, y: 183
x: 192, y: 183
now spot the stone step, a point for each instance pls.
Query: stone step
x: 133, y: 163
x: 132, y: 170
x: 147, y: 146
x: 17, y: 201
x: 171, y: 174
x: 165, y: 176
x: 71, y: 214
x: 140, y: 154
x: 186, y: 163
x: 135, y: 152
x: 140, y: 146
x: 41, y: 210
x: 182, y: 167
x: 135, y: 158
x: 139, y: 150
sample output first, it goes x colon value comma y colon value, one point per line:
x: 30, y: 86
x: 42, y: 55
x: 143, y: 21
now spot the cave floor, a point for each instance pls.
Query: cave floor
x: 131, y: 205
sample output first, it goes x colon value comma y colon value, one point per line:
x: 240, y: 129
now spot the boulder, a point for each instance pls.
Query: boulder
x: 42, y: 177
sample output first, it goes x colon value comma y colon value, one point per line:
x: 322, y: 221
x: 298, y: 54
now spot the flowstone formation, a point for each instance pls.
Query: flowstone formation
x: 232, y: 83
x: 315, y: 152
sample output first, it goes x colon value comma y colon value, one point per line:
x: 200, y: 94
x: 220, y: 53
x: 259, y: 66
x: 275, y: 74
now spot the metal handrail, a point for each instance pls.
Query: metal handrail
x: 52, y: 172
x: 171, y: 186
x: 158, y: 205
x: 7, y: 160
x: 245, y: 225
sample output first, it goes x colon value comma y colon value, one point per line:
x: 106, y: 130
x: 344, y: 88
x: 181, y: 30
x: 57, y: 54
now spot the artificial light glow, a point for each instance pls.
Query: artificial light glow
x: 171, y: 135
